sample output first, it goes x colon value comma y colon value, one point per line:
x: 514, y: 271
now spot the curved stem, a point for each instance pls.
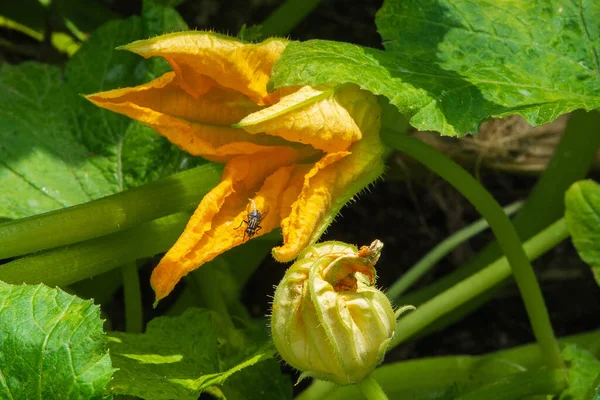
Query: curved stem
x: 178, y: 192
x: 371, y: 389
x: 503, y: 230
x: 440, y: 251
x: 132, y: 294
x: 546, y: 201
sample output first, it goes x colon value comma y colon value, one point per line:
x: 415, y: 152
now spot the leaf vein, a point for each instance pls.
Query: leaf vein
x: 5, y: 384
x: 32, y: 185
x: 47, y: 338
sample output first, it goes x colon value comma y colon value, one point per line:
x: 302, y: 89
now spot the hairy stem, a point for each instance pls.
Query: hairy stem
x: 371, y: 389
x: 69, y: 264
x: 178, y: 192
x: 503, y: 230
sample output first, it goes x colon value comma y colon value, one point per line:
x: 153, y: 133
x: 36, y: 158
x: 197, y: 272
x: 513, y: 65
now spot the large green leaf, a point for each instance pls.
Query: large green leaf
x: 582, y: 202
x: 57, y: 149
x: 448, y: 65
x: 52, y: 345
x: 179, y: 357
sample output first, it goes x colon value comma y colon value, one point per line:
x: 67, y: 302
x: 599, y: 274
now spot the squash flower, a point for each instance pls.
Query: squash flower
x: 294, y: 156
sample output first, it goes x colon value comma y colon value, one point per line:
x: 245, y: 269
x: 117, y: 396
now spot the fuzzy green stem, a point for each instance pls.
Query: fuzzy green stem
x: 132, y: 294
x: 286, y: 17
x: 371, y: 389
x: 440, y: 251
x: 503, y: 230
x: 178, y: 192
x: 69, y: 264
x: 572, y: 159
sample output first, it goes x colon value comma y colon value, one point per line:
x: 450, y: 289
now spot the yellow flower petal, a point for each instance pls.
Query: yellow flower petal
x: 199, y: 126
x: 330, y: 184
x: 233, y: 64
x: 217, y: 226
x: 327, y: 118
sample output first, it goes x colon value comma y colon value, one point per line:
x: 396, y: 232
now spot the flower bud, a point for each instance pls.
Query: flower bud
x: 328, y: 320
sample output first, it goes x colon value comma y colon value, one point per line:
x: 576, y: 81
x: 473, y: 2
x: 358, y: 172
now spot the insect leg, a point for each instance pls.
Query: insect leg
x: 241, y: 223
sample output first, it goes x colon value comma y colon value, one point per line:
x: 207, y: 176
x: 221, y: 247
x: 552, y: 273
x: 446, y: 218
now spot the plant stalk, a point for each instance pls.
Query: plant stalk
x: 371, y: 389
x: 572, y: 159
x: 178, y: 192
x: 132, y: 294
x: 503, y: 230
x: 70, y: 264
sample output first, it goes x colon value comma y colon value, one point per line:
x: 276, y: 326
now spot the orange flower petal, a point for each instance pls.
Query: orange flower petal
x: 327, y: 118
x: 199, y: 126
x: 217, y: 226
x: 330, y: 184
x: 232, y: 64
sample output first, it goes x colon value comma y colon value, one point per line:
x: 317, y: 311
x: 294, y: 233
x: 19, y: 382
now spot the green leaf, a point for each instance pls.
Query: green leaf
x: 449, y: 65
x: 180, y: 357
x: 583, y: 373
x: 582, y: 202
x: 57, y: 149
x: 52, y: 345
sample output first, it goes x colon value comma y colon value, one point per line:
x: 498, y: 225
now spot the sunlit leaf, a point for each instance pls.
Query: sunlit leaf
x: 56, y: 149
x: 52, y: 345
x: 180, y: 357
x: 449, y: 65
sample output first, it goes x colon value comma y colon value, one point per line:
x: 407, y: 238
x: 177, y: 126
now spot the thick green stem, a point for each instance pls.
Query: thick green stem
x: 132, y: 294
x: 571, y: 160
x: 286, y: 17
x: 371, y: 389
x: 521, y: 385
x: 439, y: 252
x: 178, y: 192
x: 503, y: 230
x: 69, y: 264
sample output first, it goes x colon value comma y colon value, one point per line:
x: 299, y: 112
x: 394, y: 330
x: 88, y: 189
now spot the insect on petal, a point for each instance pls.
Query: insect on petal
x: 212, y: 228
